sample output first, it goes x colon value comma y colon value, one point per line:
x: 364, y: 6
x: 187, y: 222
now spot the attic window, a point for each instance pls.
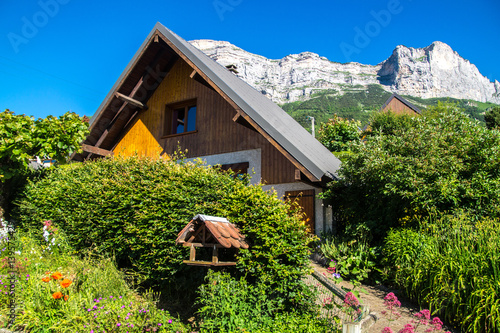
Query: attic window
x: 180, y: 118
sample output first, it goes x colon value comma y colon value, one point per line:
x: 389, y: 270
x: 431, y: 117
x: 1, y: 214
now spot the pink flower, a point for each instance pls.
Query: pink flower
x: 387, y: 330
x: 350, y: 300
x: 437, y: 323
x: 407, y: 329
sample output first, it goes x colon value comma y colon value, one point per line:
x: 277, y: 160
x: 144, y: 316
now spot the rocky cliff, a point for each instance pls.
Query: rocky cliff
x: 433, y: 71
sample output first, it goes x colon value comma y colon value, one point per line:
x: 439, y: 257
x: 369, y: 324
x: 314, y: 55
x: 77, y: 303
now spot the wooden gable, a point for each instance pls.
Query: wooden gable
x: 399, y: 105
x: 143, y: 112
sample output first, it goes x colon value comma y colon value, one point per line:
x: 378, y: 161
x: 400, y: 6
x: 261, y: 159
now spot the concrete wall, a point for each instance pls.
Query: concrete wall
x: 253, y: 157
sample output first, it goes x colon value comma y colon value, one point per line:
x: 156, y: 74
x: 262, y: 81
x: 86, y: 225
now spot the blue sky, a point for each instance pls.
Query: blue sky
x: 62, y: 55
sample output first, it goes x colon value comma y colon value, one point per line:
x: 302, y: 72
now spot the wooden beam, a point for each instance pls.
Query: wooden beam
x: 236, y: 107
x: 193, y: 73
x: 96, y: 150
x: 130, y: 100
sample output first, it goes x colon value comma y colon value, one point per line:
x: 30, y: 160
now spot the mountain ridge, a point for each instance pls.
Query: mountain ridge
x: 430, y: 72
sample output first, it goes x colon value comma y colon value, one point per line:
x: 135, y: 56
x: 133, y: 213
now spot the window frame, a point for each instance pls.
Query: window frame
x: 170, y: 110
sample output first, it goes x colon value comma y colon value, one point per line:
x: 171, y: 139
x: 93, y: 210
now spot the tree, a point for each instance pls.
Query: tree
x: 22, y: 137
x: 336, y: 133
x: 443, y: 162
x: 492, y: 117
x: 389, y: 122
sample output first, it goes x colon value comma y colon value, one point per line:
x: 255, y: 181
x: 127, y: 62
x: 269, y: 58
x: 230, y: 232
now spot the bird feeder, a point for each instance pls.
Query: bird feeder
x: 210, y: 232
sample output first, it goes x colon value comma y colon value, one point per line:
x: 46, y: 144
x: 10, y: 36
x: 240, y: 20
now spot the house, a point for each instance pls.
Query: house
x: 399, y: 105
x: 171, y: 95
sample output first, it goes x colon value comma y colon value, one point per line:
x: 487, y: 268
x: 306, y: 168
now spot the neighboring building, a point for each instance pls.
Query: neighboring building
x: 37, y: 163
x: 399, y: 105
x: 171, y: 95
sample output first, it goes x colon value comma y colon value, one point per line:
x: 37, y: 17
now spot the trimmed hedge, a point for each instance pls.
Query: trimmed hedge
x: 134, y: 208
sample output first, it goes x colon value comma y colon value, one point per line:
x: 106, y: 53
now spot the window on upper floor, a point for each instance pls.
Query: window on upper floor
x: 180, y: 118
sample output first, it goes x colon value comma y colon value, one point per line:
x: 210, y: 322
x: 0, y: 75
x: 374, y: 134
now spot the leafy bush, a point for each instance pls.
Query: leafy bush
x: 451, y: 264
x: 134, y: 208
x: 492, y: 118
x: 389, y: 123
x: 230, y: 305
x: 23, y: 138
x: 338, y: 132
x: 353, y: 260
x: 443, y: 162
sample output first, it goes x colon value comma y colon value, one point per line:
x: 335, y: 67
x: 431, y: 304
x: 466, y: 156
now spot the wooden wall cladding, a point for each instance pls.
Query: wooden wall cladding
x: 216, y: 132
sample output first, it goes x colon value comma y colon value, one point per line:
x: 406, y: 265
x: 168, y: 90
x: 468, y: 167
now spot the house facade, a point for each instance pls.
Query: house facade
x: 172, y: 96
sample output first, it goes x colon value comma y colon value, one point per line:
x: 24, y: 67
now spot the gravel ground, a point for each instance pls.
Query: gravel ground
x: 374, y: 298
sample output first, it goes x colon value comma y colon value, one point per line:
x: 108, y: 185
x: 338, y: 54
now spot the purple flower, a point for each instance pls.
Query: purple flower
x: 118, y: 324
x: 170, y: 321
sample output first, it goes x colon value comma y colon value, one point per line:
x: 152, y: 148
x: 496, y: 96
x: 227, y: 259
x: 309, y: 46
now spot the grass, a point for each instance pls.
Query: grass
x: 97, y: 298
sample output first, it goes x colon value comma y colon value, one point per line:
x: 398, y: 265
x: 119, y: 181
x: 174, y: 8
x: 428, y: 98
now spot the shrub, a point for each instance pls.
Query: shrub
x: 230, y: 305
x: 389, y: 123
x: 338, y: 132
x: 443, y: 162
x: 353, y: 260
x: 451, y: 264
x: 134, y: 208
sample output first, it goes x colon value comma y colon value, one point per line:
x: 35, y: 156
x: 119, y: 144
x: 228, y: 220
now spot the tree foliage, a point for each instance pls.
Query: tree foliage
x: 444, y: 161
x: 338, y: 132
x: 389, y: 123
x: 492, y: 117
x: 23, y: 137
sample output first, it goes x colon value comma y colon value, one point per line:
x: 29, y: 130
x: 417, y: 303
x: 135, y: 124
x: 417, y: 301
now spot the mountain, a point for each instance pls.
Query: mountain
x: 435, y: 71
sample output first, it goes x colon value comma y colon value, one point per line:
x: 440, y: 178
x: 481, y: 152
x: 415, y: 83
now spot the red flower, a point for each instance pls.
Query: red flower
x: 46, y: 279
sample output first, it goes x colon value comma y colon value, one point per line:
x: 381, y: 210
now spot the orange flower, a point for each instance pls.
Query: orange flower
x: 46, y: 279
x: 65, y: 283
x: 57, y: 276
x: 57, y: 295
x: 65, y: 297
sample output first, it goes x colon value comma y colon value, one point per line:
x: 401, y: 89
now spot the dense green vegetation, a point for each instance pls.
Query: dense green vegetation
x: 23, y: 137
x: 58, y: 292
x: 444, y: 161
x: 451, y: 264
x: 426, y: 190
x: 336, y: 133
x: 492, y: 117
x: 133, y: 209
x: 360, y: 102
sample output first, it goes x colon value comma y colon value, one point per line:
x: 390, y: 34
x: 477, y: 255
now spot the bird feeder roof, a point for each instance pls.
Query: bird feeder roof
x: 211, y: 230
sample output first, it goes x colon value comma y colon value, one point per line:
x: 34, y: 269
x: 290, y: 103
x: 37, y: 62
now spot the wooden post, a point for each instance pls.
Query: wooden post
x: 215, y: 255
x: 192, y: 253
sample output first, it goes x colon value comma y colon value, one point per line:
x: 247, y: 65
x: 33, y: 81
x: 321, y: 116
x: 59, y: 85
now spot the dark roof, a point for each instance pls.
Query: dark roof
x: 255, y: 107
x: 402, y: 100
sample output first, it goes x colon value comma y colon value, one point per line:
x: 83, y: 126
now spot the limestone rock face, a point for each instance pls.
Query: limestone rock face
x: 433, y: 71
x: 436, y: 71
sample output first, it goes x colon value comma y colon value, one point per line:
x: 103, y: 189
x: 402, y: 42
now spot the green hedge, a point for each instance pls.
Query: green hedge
x: 134, y: 209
